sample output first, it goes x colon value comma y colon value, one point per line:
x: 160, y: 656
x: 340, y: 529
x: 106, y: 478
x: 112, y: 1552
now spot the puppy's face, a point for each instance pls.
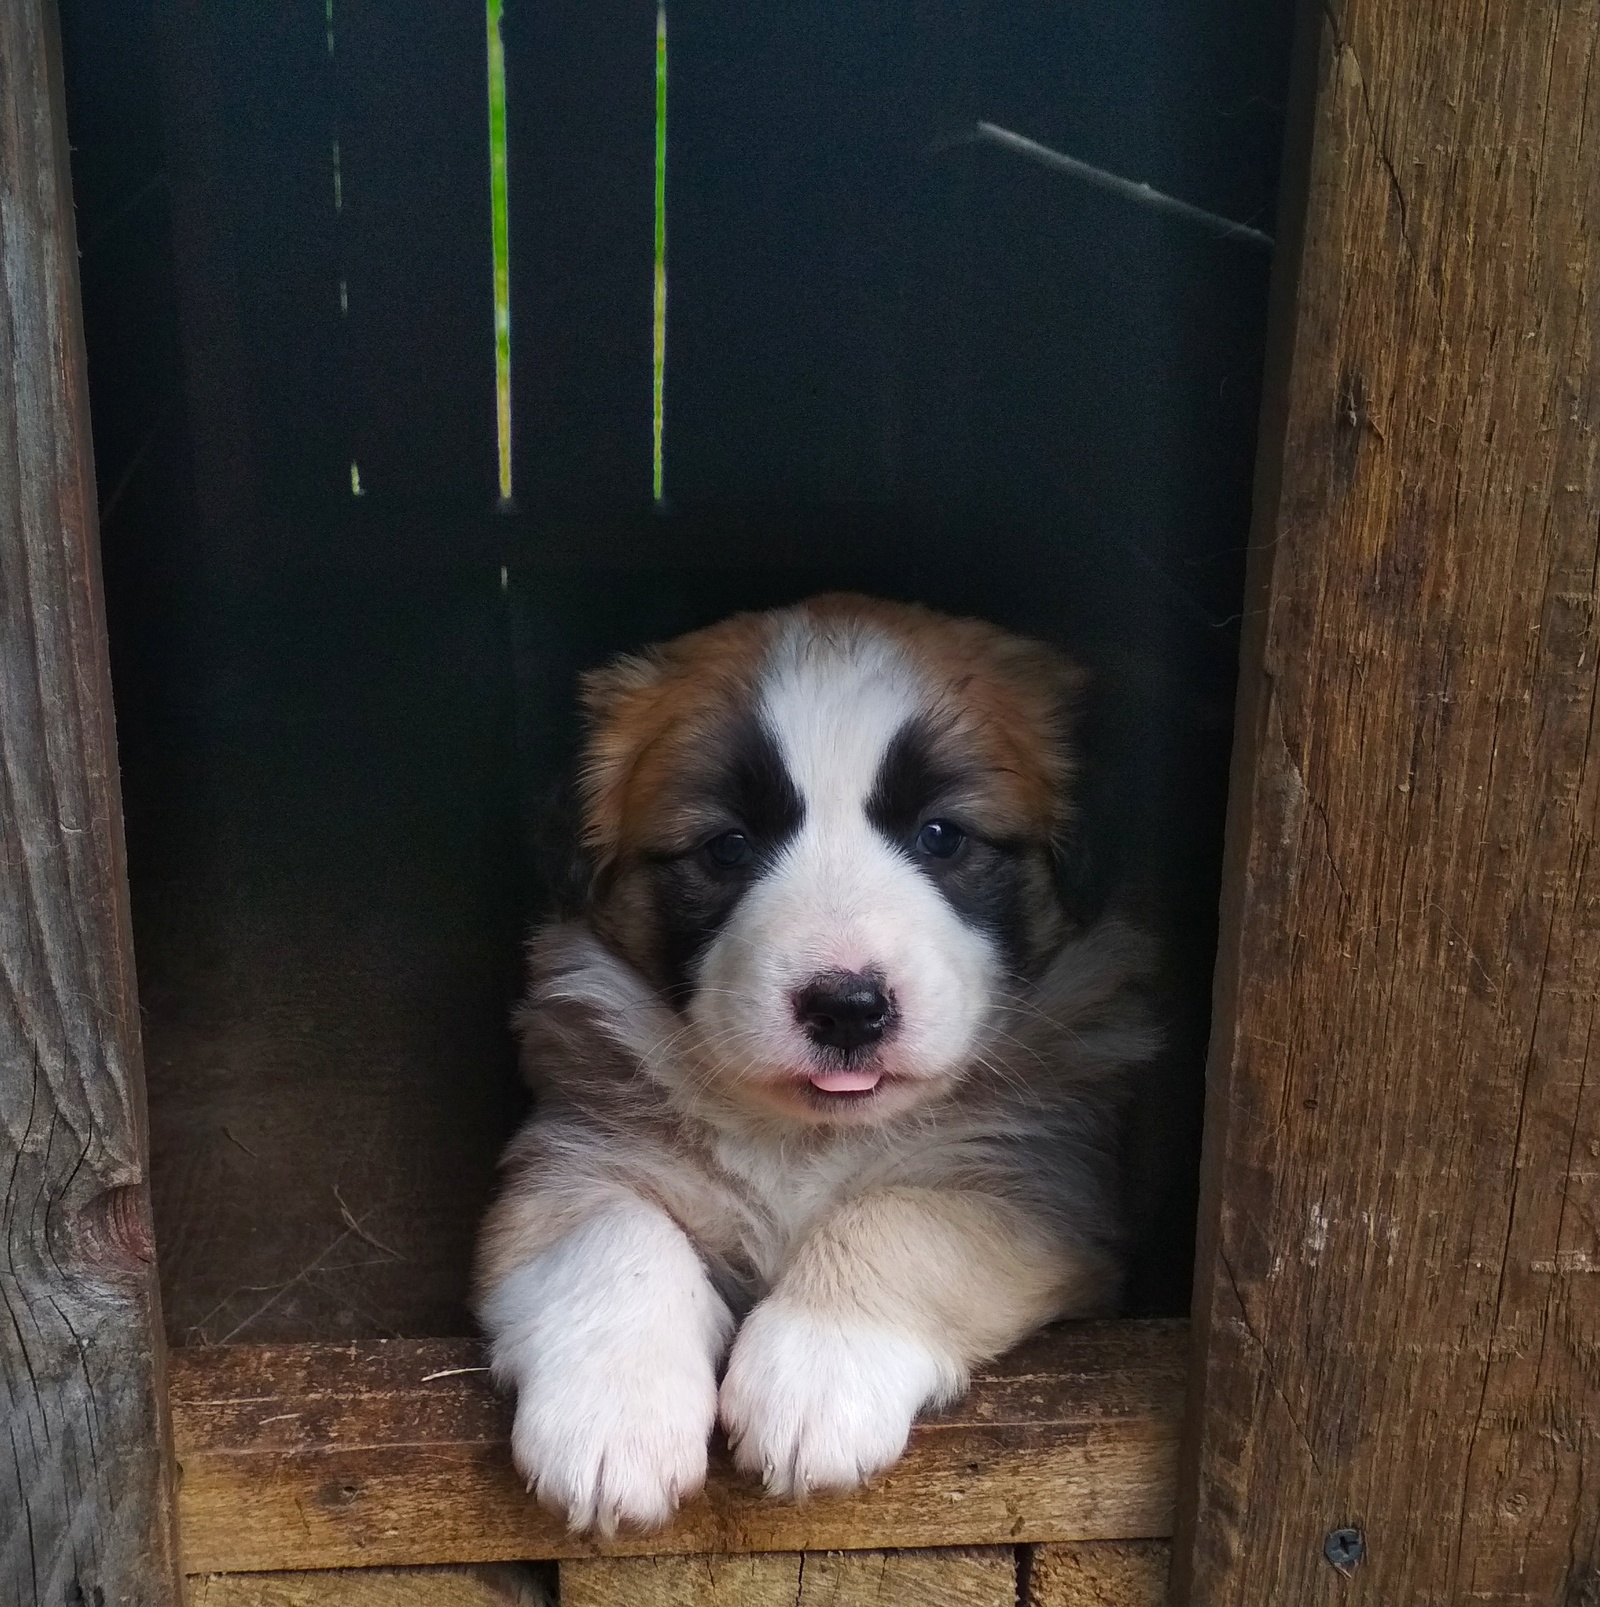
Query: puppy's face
x: 825, y: 835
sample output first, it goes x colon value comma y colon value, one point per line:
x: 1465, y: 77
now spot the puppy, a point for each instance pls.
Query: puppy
x: 827, y: 1084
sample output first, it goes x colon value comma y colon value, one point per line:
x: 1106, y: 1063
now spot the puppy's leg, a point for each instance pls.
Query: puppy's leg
x: 882, y: 1312
x: 611, y: 1337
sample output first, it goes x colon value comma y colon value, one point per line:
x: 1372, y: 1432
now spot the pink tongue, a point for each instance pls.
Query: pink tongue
x: 845, y: 1082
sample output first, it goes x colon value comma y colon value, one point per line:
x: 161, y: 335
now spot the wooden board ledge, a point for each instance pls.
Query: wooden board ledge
x: 395, y: 1453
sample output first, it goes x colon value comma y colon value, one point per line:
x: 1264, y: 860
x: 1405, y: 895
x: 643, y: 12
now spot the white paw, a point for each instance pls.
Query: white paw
x: 614, y: 1441
x: 813, y: 1402
x: 611, y: 1339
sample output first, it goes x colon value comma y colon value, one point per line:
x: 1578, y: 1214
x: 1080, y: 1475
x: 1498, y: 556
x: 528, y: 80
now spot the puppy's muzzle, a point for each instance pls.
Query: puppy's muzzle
x: 845, y: 1010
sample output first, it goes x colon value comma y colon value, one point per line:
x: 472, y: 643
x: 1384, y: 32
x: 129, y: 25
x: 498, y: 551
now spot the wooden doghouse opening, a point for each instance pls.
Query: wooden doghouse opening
x: 799, y: 324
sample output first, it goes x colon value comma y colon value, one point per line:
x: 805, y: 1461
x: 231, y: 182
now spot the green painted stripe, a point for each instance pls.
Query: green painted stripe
x: 500, y: 215
x: 659, y: 342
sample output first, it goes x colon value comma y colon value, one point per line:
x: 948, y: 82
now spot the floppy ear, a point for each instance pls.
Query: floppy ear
x: 1056, y: 692
x: 1052, y: 688
x: 618, y: 702
x: 631, y: 704
x: 1063, y: 680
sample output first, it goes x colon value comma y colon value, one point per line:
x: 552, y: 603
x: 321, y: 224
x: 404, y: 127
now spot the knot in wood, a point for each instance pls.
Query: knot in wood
x: 113, y: 1233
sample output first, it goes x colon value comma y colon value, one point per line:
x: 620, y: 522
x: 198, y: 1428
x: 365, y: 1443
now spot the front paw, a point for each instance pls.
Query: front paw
x: 816, y: 1402
x: 614, y: 1441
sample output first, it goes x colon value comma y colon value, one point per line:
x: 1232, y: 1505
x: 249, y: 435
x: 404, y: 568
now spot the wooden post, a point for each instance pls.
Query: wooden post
x: 1398, y: 1293
x: 85, y: 1501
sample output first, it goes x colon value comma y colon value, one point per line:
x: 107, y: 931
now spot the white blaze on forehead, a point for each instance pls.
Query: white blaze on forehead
x: 839, y: 896
x: 833, y: 702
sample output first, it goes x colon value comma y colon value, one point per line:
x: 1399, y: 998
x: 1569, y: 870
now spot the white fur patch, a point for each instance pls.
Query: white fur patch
x: 813, y: 1401
x: 839, y: 897
x: 612, y: 1339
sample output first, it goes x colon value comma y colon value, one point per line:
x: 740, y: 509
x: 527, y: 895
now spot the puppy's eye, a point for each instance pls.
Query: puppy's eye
x: 730, y: 851
x: 940, y: 839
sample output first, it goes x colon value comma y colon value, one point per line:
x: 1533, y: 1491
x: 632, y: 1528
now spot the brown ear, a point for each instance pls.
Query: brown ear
x: 1025, y: 695
x: 644, y: 708
x: 1052, y: 688
x: 618, y: 702
x: 1063, y: 680
x: 1069, y: 683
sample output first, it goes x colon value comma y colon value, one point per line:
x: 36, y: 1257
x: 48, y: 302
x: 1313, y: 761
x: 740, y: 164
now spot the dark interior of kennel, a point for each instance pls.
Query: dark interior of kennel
x: 898, y: 361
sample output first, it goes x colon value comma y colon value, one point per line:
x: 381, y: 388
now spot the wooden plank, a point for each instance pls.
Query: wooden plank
x: 984, y: 1576
x: 1101, y: 1573
x: 85, y: 1508
x: 315, y: 1456
x: 772, y: 1580
x: 495, y: 1585
x: 1398, y: 1312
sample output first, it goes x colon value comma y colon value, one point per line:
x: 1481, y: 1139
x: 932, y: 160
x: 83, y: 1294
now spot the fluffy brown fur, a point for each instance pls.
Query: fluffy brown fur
x: 872, y: 1218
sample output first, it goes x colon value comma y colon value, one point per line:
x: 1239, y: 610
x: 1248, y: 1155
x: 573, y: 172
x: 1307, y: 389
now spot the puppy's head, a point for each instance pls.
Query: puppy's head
x: 826, y: 835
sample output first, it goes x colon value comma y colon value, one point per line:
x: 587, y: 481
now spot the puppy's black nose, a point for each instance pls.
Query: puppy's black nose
x: 844, y: 1010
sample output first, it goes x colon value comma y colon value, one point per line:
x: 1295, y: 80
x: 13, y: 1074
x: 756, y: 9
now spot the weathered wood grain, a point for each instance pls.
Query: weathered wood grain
x: 85, y: 1513
x: 1098, y: 1573
x: 1398, y: 1291
x: 490, y: 1585
x: 494, y: 1585
x: 393, y: 1453
x: 983, y: 1576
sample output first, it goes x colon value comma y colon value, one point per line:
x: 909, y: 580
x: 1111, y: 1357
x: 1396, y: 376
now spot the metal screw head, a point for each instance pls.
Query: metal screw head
x: 1344, y: 1548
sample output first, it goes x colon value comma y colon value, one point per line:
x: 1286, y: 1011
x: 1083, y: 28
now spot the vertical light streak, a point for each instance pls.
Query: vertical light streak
x: 659, y: 342
x: 502, y: 246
